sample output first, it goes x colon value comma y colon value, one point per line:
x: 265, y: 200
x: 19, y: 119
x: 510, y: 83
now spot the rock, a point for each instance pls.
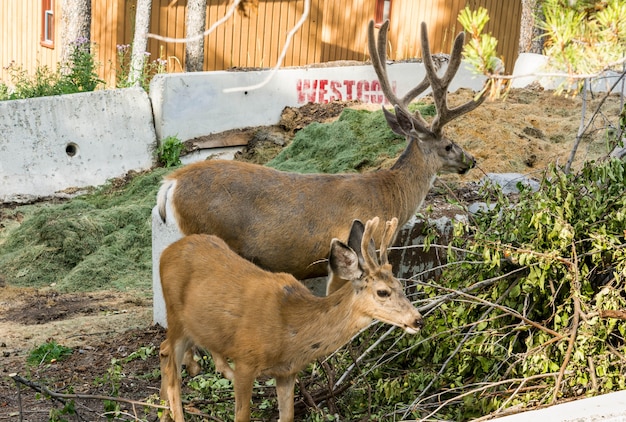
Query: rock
x: 509, y: 182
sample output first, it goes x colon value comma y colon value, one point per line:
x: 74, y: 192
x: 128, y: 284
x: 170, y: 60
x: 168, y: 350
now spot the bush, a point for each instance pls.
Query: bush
x: 77, y: 75
x: 530, y: 311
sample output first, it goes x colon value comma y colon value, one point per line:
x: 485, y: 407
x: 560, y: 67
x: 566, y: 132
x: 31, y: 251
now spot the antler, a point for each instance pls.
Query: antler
x: 378, y: 54
x: 370, y: 228
x: 388, y: 235
x: 439, y: 85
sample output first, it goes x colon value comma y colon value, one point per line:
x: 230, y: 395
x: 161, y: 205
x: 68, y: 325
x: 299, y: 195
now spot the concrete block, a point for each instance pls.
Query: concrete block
x: 163, y: 235
x: 189, y: 105
x: 49, y: 144
x: 609, y: 407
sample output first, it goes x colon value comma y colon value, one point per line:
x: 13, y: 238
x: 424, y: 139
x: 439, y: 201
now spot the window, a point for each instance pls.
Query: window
x: 381, y: 13
x: 47, y: 23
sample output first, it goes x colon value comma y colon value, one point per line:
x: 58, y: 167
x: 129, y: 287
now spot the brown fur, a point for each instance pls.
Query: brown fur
x: 267, y: 323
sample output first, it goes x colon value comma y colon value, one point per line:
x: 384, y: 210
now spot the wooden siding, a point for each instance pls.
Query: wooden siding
x: 335, y: 30
x: 443, y: 26
x: 20, y: 34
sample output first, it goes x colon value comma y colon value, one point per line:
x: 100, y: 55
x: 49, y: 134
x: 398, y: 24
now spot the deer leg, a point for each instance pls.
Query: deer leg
x: 222, y: 366
x: 284, y: 391
x: 171, y: 357
x: 193, y: 367
x: 244, y: 380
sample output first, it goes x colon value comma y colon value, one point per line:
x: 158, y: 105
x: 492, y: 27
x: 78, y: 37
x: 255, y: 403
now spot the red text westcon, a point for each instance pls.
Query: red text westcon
x: 327, y: 90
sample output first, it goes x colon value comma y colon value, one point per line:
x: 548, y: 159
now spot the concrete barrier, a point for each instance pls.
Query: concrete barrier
x: 49, y: 144
x: 189, y: 105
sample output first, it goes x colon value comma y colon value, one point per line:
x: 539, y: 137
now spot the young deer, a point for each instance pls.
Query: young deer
x: 259, y: 211
x: 269, y: 323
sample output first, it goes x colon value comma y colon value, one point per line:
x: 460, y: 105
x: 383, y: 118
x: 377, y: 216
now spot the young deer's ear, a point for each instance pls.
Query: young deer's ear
x: 354, y: 241
x: 344, y: 261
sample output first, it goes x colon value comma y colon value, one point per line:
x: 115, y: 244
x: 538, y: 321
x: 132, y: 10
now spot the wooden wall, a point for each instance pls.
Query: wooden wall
x: 109, y: 24
x: 443, y: 26
x: 335, y: 30
x: 20, y: 34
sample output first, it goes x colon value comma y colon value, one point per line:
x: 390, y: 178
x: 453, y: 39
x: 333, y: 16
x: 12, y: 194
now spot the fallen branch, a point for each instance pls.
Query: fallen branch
x: 612, y: 313
x: 575, y: 323
x: 501, y: 308
x: 62, y: 397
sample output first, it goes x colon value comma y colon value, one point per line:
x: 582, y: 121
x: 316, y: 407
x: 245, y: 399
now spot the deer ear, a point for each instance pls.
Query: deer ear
x: 392, y: 121
x: 354, y: 241
x: 402, y: 123
x: 343, y: 261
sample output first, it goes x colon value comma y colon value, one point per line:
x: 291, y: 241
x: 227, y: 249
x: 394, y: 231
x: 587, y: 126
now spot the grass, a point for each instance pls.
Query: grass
x: 96, y: 241
x: 358, y: 139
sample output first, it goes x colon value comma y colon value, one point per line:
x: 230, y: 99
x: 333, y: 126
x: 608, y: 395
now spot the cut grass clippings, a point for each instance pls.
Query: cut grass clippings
x: 96, y: 241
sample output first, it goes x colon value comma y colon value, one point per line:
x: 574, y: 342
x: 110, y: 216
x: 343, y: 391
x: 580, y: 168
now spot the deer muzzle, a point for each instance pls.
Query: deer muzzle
x: 414, y: 326
x: 470, y: 163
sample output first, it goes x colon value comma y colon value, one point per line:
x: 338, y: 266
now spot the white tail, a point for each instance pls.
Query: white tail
x: 269, y: 323
x: 260, y: 212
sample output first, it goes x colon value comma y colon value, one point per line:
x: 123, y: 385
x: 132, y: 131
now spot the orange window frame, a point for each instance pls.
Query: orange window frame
x: 382, y: 11
x: 47, y: 23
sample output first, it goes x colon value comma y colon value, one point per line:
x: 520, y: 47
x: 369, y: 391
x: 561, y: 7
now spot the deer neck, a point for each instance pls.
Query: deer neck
x: 412, y: 176
x: 320, y: 325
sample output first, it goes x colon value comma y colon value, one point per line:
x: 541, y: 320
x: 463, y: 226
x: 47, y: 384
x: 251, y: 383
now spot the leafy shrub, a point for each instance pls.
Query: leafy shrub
x: 536, y: 303
x: 77, y: 75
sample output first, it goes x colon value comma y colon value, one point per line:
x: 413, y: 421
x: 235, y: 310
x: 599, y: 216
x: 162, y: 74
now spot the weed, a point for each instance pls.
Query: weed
x: 49, y: 352
x: 169, y: 151
x: 78, y: 74
x: 148, y: 68
x: 142, y: 353
x: 57, y: 415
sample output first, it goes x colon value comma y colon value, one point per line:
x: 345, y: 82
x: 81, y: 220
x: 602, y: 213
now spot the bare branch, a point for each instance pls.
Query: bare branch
x: 279, y: 62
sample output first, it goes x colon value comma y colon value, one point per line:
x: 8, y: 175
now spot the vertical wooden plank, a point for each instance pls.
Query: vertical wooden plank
x: 259, y: 36
x: 313, y: 42
x: 295, y: 48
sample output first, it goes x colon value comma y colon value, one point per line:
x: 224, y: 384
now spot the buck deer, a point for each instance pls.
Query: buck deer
x: 259, y: 211
x: 270, y: 323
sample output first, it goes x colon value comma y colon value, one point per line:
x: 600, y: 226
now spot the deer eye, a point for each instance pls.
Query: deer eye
x: 449, y: 147
x: 383, y: 293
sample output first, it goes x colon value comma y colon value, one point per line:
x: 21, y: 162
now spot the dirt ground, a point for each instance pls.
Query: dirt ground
x: 524, y: 133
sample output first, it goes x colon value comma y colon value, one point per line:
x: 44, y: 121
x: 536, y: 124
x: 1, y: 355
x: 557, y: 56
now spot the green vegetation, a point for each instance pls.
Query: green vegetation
x: 148, y: 70
x: 358, y: 139
x: 77, y: 75
x: 534, y: 311
x: 97, y: 241
x: 585, y: 36
x: 47, y: 353
x: 168, y: 152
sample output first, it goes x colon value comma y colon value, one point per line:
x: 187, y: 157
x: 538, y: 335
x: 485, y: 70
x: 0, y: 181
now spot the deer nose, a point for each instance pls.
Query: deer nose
x: 470, y: 161
x: 418, y: 323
